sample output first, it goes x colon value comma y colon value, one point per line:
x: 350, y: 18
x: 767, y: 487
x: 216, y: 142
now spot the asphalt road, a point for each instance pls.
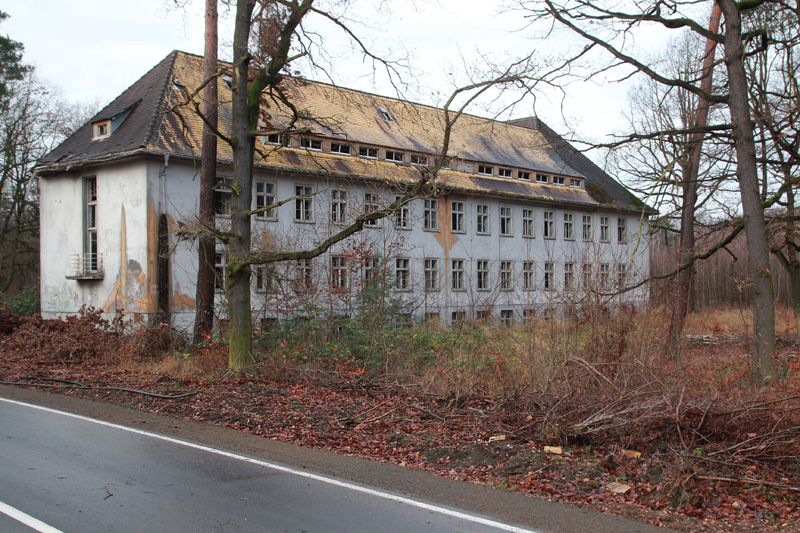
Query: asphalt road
x: 75, y: 473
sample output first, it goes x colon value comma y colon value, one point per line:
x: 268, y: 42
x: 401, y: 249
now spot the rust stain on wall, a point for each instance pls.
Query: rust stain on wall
x: 152, y: 256
x: 130, y: 290
x: 182, y: 302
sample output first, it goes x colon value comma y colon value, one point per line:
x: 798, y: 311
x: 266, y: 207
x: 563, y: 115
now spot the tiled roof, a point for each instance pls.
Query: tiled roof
x: 158, y: 125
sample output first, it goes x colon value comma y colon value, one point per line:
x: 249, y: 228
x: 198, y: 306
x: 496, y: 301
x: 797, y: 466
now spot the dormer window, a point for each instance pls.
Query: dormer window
x: 417, y: 159
x: 339, y: 148
x: 574, y: 183
x: 368, y: 152
x: 523, y: 175
x: 486, y: 170
x: 542, y: 178
x: 311, y: 144
x: 505, y: 172
x: 102, y: 129
x: 275, y: 138
x: 394, y: 156
x: 559, y: 180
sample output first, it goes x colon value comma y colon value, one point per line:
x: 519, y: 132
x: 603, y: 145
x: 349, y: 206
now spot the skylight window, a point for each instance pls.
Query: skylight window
x: 385, y: 114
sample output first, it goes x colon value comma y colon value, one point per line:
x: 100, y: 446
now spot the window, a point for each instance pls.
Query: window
x: 569, y: 276
x: 402, y: 217
x: 275, y: 138
x: 574, y: 183
x: 385, y: 114
x: 622, y: 230
x: 482, y: 219
x: 311, y: 144
x: 549, y: 228
x: 483, y: 275
x: 368, y: 151
x: 604, y: 230
x: 304, y: 274
x: 528, y: 276
x: 341, y: 148
x: 559, y: 180
x: 549, y: 276
x: 457, y: 271
x: 527, y: 223
x: 458, y: 317
x: 220, y: 264
x: 371, y: 204
x: 394, y: 156
x: 605, y: 274
x: 431, y: 274
x: 506, y: 222
x: 338, y: 272
x: 524, y: 175
x: 430, y: 214
x: 417, y: 159
x: 506, y: 276
x: 402, y: 274
x: 486, y: 170
x: 528, y: 314
x: 569, y: 227
x: 265, y: 195
x: 548, y: 314
x: 222, y: 196
x: 102, y: 130
x: 338, y: 206
x: 505, y: 172
x: 622, y: 275
x: 431, y: 317
x: 457, y: 217
x: 586, y: 275
x: 542, y: 178
x: 91, y: 259
x: 372, y: 272
x: 303, y: 203
x: 587, y: 228
x: 507, y: 317
x: 265, y: 279
x: 483, y: 315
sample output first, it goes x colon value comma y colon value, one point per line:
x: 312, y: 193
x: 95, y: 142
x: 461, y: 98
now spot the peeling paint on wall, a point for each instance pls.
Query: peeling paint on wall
x: 182, y: 302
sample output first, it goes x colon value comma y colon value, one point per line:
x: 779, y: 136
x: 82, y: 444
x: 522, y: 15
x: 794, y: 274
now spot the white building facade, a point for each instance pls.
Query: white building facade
x: 519, y: 225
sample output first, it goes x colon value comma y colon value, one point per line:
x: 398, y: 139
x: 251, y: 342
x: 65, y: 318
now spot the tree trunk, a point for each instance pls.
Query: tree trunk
x: 204, y: 312
x: 244, y: 107
x: 686, y: 249
x: 763, y: 363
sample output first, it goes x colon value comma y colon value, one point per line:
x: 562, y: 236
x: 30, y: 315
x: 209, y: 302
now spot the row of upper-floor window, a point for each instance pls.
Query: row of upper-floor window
x: 399, y: 156
x: 343, y: 274
x: 340, y: 201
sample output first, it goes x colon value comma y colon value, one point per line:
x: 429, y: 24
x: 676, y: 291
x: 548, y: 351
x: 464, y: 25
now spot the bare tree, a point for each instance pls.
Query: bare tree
x: 204, y: 311
x: 609, y: 28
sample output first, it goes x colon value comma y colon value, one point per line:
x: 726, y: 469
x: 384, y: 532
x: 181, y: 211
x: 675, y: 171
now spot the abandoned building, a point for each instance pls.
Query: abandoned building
x: 521, y: 224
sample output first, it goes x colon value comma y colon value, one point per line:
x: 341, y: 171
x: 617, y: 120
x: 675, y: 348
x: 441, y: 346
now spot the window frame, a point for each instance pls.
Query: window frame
x: 431, y: 268
x: 506, y: 275
x: 339, y: 279
x: 372, y: 203
x: 402, y: 274
x: 341, y: 148
x: 569, y: 276
x: 309, y: 143
x: 482, y: 219
x: 549, y: 281
x: 588, y: 230
x: 569, y: 226
x: 304, y: 204
x: 368, y: 150
x: 528, y: 275
x: 457, y: 216
x: 269, y: 214
x: 430, y: 214
x: 395, y: 156
x: 622, y: 230
x: 549, y: 225
x: 528, y: 223
x: 482, y: 274
x: 338, y: 214
x: 503, y: 172
x: 506, y: 221
x: 524, y: 175
x: 485, y: 170
x: 457, y: 275
x: 605, y: 229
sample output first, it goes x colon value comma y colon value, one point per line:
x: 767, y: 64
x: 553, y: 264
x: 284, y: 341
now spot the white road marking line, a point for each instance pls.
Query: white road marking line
x: 317, y: 477
x: 27, y: 519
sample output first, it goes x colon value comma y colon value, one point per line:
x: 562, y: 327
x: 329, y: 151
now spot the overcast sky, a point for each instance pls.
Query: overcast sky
x: 94, y: 49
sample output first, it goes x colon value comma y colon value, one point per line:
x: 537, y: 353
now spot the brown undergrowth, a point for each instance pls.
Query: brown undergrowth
x: 587, y: 410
